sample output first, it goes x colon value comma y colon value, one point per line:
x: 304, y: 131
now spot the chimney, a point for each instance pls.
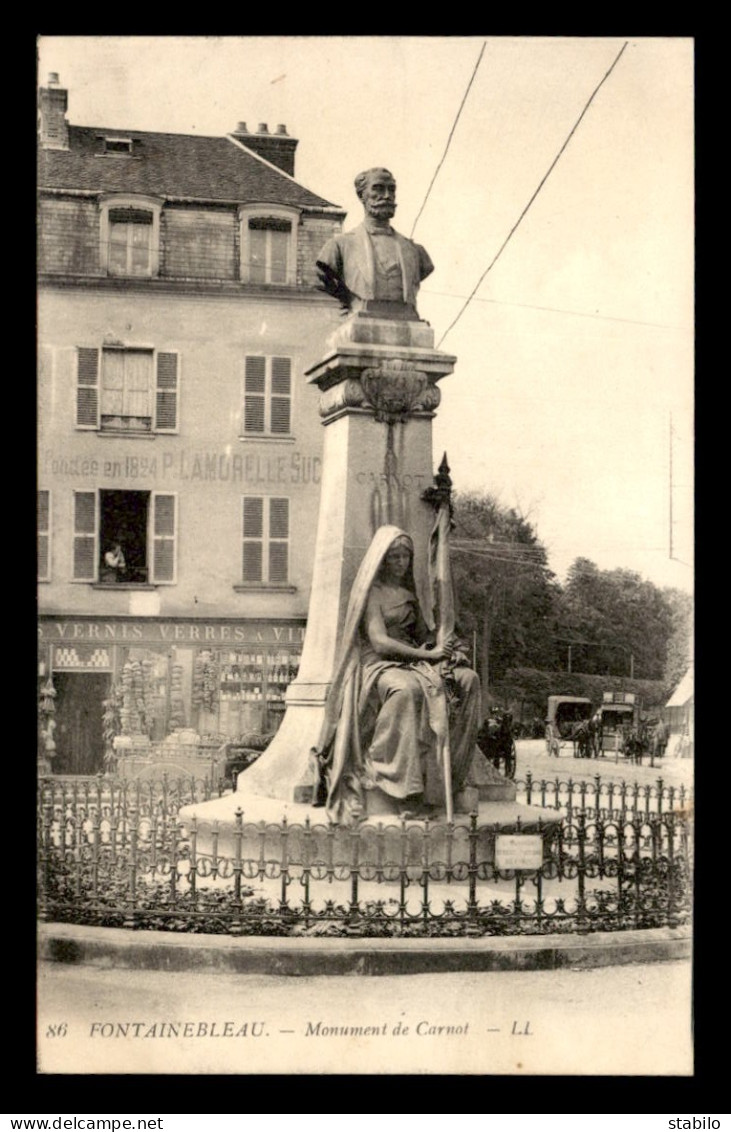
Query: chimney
x: 53, y: 105
x: 278, y: 148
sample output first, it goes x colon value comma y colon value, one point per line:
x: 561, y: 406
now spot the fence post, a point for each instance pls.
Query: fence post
x: 582, y: 925
x: 528, y: 787
x: 472, y: 867
x: 236, y: 925
x: 130, y: 918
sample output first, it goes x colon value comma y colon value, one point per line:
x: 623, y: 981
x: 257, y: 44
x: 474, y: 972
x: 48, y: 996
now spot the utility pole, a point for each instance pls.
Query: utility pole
x: 670, y: 491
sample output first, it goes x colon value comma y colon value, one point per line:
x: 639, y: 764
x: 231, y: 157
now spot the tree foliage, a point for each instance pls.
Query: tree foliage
x: 505, y: 592
x: 612, y: 623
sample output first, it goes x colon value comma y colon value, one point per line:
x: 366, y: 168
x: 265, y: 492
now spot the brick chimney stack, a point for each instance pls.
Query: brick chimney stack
x: 53, y: 105
x: 278, y: 148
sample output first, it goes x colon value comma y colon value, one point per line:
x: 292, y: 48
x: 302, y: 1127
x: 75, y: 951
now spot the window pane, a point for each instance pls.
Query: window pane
x: 279, y: 518
x: 138, y: 369
x: 84, y: 512
x: 279, y: 245
x: 278, y: 559
x: 253, y: 414
x: 257, y: 255
x: 255, y: 374
x: 113, y: 369
x: 280, y: 414
x: 252, y: 562
x: 253, y: 517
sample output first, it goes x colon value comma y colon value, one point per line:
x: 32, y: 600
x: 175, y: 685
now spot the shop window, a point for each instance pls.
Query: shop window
x: 124, y: 537
x: 127, y: 389
x: 130, y: 236
x: 44, y: 536
x: 265, y: 540
x: 267, y: 396
x: 268, y: 244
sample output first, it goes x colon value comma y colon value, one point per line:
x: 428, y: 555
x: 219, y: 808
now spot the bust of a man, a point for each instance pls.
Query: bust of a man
x: 373, y: 265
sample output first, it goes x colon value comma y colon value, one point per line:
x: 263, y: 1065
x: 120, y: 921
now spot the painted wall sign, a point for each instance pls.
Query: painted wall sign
x: 518, y: 851
x: 190, y: 465
x: 186, y: 632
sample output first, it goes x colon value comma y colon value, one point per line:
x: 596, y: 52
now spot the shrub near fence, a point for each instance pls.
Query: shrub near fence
x: 113, y: 853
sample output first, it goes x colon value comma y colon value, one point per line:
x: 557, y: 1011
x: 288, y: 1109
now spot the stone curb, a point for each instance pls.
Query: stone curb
x: 164, y: 951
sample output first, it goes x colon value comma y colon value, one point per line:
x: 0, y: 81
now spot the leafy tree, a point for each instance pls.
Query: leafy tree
x: 616, y: 622
x: 504, y: 591
x: 679, y: 651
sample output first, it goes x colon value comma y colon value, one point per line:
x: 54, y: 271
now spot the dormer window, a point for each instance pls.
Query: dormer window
x: 130, y: 236
x: 268, y: 244
x: 118, y: 146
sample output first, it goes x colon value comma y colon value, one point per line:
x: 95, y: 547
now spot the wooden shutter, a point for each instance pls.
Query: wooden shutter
x: 87, y: 387
x: 163, y: 537
x: 85, y: 528
x: 166, y: 396
x: 253, y: 538
x: 254, y: 394
x: 278, y: 540
x: 281, y: 402
x: 44, y: 535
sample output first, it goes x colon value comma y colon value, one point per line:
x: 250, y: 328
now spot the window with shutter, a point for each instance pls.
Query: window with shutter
x: 267, y: 396
x: 44, y: 535
x: 85, y: 536
x: 166, y: 395
x: 265, y: 540
x: 87, y: 387
x: 127, y: 389
x: 163, y: 537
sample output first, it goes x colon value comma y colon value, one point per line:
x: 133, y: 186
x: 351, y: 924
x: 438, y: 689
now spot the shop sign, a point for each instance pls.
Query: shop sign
x: 173, y: 633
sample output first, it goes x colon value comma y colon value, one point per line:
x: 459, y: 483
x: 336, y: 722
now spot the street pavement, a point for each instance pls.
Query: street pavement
x: 621, y: 1020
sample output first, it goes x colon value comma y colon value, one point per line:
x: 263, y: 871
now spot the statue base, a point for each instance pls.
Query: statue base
x: 272, y: 832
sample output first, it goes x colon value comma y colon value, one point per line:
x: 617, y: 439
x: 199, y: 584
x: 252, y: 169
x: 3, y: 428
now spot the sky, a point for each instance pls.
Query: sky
x: 572, y: 397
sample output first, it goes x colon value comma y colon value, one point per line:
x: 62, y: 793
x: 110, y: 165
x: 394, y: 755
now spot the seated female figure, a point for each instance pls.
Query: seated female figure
x: 397, y: 699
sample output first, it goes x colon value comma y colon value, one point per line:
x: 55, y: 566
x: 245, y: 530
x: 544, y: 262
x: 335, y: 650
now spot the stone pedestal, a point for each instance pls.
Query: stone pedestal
x: 378, y: 390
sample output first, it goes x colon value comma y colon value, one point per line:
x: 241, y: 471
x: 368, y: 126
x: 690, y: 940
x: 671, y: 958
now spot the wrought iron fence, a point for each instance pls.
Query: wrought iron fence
x: 603, y: 798
x: 114, y: 853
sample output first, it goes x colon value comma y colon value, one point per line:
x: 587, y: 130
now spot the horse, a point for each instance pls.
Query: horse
x: 581, y: 739
x: 635, y: 743
x: 495, y: 740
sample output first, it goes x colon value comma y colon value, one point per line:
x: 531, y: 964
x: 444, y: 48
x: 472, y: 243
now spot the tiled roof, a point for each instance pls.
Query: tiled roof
x: 169, y: 165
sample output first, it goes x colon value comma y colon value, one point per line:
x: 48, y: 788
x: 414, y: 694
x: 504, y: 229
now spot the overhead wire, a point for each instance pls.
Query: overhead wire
x: 449, y: 139
x: 535, y: 194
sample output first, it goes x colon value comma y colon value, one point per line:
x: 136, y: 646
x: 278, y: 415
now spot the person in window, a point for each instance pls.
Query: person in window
x: 115, y: 565
x: 396, y: 697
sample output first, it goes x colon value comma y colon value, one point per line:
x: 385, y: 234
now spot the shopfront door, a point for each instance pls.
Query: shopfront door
x: 79, y: 736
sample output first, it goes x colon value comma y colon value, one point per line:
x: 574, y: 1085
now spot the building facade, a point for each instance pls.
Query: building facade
x: 179, y: 444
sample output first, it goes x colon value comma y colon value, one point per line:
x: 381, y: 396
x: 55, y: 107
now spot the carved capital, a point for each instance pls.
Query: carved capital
x: 394, y: 389
x: 347, y: 394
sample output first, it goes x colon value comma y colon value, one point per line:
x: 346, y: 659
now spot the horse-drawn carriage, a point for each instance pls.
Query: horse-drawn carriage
x: 496, y: 741
x: 567, y: 721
